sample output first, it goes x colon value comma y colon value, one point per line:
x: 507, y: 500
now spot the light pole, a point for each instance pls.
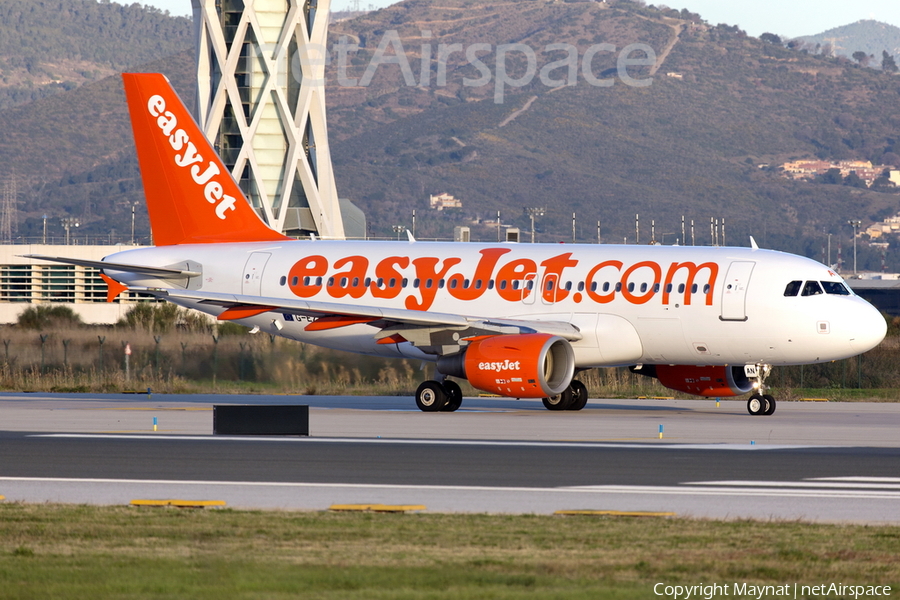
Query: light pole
x: 67, y: 223
x: 854, y: 223
x: 398, y: 229
x: 534, y: 212
x: 44, y: 238
x: 132, y: 224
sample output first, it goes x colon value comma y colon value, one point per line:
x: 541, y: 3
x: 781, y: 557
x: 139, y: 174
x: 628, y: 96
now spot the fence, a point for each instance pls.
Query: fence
x: 94, y: 359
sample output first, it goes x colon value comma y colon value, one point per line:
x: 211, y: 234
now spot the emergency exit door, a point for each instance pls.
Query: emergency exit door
x: 251, y: 282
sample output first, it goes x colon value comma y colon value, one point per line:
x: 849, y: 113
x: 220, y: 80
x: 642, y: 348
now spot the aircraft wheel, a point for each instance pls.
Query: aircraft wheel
x: 454, y: 396
x: 579, y: 395
x: 431, y: 397
x: 756, y: 405
x: 559, y: 401
x: 771, y: 407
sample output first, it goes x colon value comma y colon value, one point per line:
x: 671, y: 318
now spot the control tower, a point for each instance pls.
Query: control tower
x: 261, y: 101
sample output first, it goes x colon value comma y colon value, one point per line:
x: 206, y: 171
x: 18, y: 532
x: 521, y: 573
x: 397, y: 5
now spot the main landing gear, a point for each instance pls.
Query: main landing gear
x: 434, y: 396
x: 573, y: 397
x: 761, y: 403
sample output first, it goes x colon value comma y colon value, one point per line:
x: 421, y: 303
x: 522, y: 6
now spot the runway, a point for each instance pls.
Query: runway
x: 810, y: 461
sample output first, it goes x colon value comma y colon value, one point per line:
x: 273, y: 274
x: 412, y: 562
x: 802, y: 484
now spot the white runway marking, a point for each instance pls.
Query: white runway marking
x: 818, y: 484
x: 429, y: 442
x: 715, y: 489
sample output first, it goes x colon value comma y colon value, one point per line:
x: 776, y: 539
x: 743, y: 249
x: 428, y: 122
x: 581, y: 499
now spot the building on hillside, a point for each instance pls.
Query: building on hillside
x: 864, y: 169
x: 442, y: 201
x: 261, y: 100
x: 889, y: 226
x: 26, y: 282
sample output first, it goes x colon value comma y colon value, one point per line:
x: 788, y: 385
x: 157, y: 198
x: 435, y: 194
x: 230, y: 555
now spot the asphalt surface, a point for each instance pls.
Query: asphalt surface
x: 812, y: 461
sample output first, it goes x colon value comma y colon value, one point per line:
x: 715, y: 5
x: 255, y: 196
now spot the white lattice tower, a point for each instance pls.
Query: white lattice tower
x: 261, y: 100
x: 8, y: 215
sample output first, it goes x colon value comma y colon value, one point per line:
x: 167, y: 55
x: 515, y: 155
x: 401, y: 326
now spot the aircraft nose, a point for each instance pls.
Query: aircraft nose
x: 868, y: 327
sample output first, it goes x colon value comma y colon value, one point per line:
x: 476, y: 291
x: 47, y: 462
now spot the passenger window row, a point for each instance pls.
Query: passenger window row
x: 503, y: 284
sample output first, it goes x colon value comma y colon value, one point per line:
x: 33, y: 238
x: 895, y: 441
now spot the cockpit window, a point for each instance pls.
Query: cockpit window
x: 835, y: 287
x: 812, y: 288
x: 793, y: 288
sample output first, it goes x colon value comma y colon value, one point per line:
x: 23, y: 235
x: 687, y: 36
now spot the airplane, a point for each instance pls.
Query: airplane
x: 517, y: 320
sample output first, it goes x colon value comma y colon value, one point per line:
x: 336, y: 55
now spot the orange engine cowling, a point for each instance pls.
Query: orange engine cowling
x: 705, y: 381
x: 530, y: 365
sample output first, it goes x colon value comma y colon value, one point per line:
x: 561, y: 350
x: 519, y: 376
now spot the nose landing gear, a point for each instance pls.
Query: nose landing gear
x: 761, y: 403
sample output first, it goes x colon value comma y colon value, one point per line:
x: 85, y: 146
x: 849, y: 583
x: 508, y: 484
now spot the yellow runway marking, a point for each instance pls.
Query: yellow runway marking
x: 613, y: 513
x: 390, y: 508
x: 179, y: 503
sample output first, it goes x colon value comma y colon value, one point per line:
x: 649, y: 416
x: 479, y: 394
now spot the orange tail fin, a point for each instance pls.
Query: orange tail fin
x: 191, y: 196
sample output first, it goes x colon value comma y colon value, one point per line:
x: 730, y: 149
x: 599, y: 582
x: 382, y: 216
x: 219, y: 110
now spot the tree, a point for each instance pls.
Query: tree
x: 151, y: 317
x: 854, y: 180
x: 43, y: 317
x: 831, y: 176
x: 861, y: 57
x: 771, y: 38
x: 888, y: 65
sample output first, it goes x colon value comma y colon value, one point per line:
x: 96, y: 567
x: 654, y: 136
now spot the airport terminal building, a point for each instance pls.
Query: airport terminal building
x: 25, y: 282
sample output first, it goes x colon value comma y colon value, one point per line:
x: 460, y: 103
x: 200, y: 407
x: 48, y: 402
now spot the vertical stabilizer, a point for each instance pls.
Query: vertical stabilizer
x: 191, y: 196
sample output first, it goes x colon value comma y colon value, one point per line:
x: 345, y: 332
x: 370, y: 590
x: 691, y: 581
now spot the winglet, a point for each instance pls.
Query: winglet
x: 753, y: 243
x: 191, y: 196
x: 410, y: 236
x: 113, y: 287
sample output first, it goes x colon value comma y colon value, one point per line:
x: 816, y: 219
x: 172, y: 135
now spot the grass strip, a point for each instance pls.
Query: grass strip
x: 56, y: 551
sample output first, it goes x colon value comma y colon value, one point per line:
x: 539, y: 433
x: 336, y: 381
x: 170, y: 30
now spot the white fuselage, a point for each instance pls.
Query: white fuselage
x: 632, y: 304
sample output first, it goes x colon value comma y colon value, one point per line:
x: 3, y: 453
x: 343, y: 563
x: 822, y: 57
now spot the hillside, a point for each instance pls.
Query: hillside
x: 689, y: 144
x: 871, y: 37
x: 689, y: 141
x: 56, y: 45
x: 72, y: 155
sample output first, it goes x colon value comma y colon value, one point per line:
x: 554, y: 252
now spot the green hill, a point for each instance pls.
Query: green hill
x: 871, y: 37
x: 688, y: 144
x: 56, y: 45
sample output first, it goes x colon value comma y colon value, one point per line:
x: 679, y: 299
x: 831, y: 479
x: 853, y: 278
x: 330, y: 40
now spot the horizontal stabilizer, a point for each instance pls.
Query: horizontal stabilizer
x: 108, y: 266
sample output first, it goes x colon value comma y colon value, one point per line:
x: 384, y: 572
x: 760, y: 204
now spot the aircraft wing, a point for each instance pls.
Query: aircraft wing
x: 440, y: 332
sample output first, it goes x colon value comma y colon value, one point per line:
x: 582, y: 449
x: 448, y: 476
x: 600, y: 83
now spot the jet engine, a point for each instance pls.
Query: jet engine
x: 701, y: 381
x: 530, y: 365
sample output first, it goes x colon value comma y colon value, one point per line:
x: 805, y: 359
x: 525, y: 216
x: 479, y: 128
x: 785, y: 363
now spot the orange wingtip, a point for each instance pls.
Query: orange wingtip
x: 113, y: 287
x: 243, y: 312
x: 394, y: 339
x: 336, y: 322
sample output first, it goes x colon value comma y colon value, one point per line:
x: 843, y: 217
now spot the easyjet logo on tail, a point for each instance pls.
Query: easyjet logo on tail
x: 187, y: 157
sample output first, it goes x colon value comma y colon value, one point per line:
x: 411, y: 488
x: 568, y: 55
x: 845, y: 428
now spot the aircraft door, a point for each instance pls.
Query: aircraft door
x: 549, y: 288
x: 251, y: 282
x: 734, y: 291
x: 530, y: 290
